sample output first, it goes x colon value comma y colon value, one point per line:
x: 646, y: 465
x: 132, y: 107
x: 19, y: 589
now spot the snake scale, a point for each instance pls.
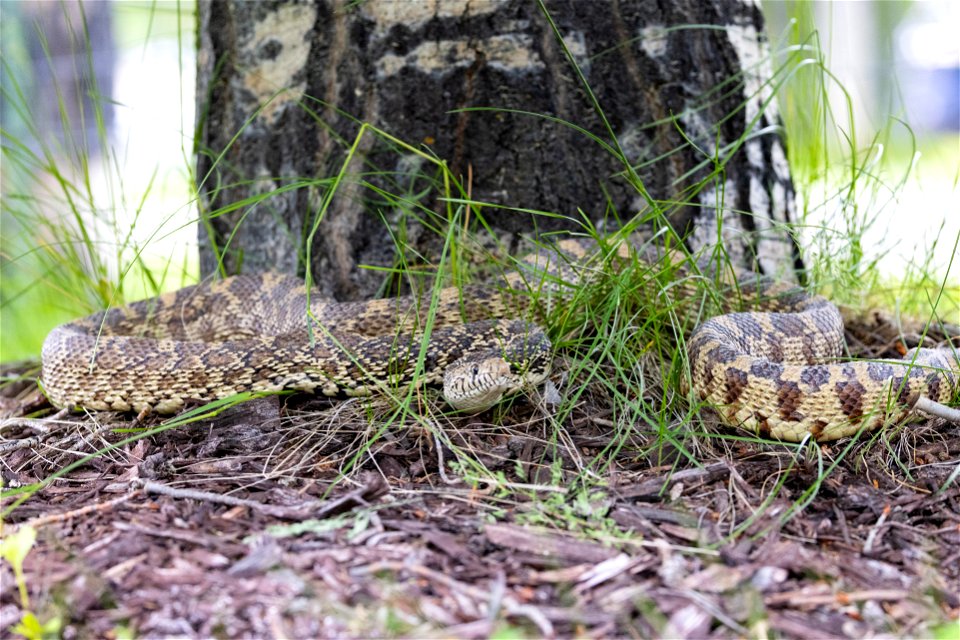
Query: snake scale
x: 776, y: 372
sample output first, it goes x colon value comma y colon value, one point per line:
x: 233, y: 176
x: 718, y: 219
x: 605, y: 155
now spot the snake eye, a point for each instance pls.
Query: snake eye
x: 476, y: 371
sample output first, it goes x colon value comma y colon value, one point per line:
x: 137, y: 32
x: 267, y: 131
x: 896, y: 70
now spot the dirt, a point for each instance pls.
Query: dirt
x: 298, y: 518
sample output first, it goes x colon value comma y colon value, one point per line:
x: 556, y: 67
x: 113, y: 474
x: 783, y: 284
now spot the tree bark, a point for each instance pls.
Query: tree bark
x: 683, y: 85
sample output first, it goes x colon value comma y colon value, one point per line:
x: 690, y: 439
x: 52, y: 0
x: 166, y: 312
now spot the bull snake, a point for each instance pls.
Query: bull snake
x: 776, y: 373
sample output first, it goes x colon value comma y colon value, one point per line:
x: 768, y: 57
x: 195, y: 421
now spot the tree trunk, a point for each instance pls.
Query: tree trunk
x: 683, y: 85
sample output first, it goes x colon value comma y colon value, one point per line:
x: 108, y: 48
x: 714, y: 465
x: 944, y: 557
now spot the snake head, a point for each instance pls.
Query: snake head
x: 479, y: 380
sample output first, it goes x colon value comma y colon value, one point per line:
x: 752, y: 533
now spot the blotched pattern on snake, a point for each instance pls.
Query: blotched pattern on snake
x: 776, y: 372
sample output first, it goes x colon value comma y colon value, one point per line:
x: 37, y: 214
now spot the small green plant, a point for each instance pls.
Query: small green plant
x: 14, y: 549
x: 948, y: 631
x: 32, y: 629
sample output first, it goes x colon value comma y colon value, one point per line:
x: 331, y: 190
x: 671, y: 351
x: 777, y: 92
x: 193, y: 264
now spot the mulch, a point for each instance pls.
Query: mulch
x: 299, y: 518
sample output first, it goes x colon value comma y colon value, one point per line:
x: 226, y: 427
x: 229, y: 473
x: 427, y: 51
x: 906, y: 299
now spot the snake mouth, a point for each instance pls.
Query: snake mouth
x: 472, y: 387
x: 478, y: 381
x: 476, y: 386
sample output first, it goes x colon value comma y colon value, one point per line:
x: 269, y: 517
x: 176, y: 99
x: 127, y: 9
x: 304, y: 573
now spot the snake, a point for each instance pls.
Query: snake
x: 776, y: 370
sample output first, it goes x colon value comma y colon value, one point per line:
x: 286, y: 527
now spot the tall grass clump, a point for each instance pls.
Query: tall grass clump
x: 850, y: 174
x: 75, y: 237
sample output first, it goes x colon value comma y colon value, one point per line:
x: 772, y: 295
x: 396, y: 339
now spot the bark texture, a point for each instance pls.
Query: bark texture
x: 283, y: 87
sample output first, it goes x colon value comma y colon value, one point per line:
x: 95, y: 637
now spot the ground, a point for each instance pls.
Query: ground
x: 297, y: 517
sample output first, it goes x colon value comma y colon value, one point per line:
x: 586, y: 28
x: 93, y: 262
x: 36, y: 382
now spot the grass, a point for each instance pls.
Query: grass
x: 619, y: 339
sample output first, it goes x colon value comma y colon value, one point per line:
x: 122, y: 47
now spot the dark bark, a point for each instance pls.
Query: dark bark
x: 406, y: 66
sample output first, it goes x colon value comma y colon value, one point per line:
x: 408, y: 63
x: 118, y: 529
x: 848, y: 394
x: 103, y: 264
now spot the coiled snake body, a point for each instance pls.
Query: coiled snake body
x: 774, y: 372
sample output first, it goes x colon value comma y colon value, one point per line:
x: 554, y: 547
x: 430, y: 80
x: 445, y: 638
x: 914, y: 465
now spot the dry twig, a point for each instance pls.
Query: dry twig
x: 936, y: 409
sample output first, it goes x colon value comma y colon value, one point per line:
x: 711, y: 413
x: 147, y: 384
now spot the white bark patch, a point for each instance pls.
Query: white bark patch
x: 759, y: 203
x: 781, y: 168
x: 776, y: 255
x: 277, y: 51
x: 754, y: 151
x: 783, y: 207
x: 773, y: 245
x: 653, y: 40
x: 576, y: 43
x: 779, y: 196
x: 755, y: 62
x: 769, y: 241
x: 633, y: 143
x: 701, y: 132
x: 719, y: 223
x: 413, y: 14
x: 511, y: 53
